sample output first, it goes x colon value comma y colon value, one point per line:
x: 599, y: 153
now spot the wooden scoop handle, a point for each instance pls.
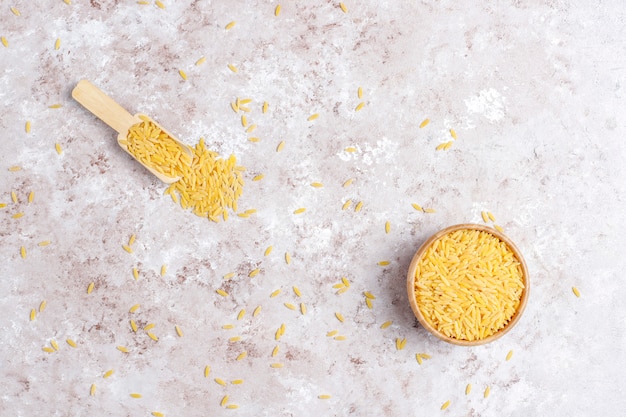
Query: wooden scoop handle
x: 103, y: 106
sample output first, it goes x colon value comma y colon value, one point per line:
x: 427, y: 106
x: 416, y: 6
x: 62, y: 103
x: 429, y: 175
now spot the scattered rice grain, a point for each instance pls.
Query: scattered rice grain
x: 280, y: 146
x: 230, y: 25
x: 424, y: 123
x: 386, y: 324
x: 90, y: 287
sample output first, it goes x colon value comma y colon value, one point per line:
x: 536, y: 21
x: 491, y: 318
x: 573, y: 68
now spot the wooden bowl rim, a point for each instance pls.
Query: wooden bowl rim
x: 411, y: 284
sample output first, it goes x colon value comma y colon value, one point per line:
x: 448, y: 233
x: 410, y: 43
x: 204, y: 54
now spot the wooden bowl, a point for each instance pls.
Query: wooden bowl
x: 411, y: 285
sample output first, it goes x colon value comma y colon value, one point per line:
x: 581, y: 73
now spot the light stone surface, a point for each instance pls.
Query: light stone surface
x: 534, y: 90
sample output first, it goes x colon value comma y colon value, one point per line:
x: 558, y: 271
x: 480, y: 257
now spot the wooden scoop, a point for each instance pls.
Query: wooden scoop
x: 114, y: 115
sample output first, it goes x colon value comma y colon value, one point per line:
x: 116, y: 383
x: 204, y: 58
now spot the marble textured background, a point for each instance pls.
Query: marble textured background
x: 534, y: 90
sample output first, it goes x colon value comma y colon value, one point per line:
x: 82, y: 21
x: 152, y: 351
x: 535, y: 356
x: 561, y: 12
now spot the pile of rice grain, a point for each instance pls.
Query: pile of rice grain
x: 210, y: 186
x: 468, y: 284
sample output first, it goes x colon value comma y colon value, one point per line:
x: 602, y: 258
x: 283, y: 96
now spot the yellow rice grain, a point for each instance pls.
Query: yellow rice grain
x: 332, y: 333
x: 14, y: 196
x: 163, y: 270
x: 275, y: 350
x: 133, y: 326
x: 158, y: 414
x: 346, y: 204
x: 201, y: 61
x: 303, y: 308
x: 256, y: 311
x: 55, y: 106
x: 491, y: 216
x: 324, y: 396
x: 149, y: 326
x: 359, y: 106
x: 297, y: 291
x: 183, y: 74
x: 487, y: 391
x: 160, y: 4
x: 228, y: 275
x: 290, y: 306
x: 317, y: 184
x: 280, y: 146
x: 244, y: 120
x: 220, y: 381
x: 15, y: 11
x: 237, y: 381
x: 14, y: 169
x: 400, y: 343
x: 299, y: 210
x: 108, y: 373
x: 234, y: 339
x: 287, y: 258
x: 221, y: 292
x: 135, y: 395
x: 58, y: 148
x: 387, y: 227
x: 386, y: 324
x: 369, y: 304
x: 57, y: 44
x: 441, y: 146
x: 468, y: 389
x: 242, y: 355
x: 92, y: 390
x: 425, y: 355
x: 418, y: 358
x: 576, y: 291
x: 47, y: 349
x: 23, y: 252
x: 484, y: 216
x: 445, y: 405
x: 54, y: 344
x: 179, y: 331
x: 233, y: 68
x: 277, y: 10
x: 383, y: 263
x: 33, y: 314
x: 275, y: 293
x: 122, y: 349
x: 228, y: 326
x: 27, y: 126
x: 350, y: 149
x: 313, y: 116
x: 42, y: 306
x: 254, y: 139
x: 142, y: 2
x: 254, y: 273
x: 234, y: 106
x: 430, y: 210
x: 276, y: 365
x: 498, y: 228
x: 447, y: 145
x: 153, y: 336
x: 343, y: 7
x: 4, y: 41
x: 358, y: 207
x: 244, y: 108
x: 135, y: 274
x: 342, y: 290
x: 268, y: 250
x: 31, y: 197
x: 17, y: 215
x: 90, y: 287
x: 345, y: 281
x: 265, y: 106
x: 509, y: 355
x: 339, y: 285
x: 127, y: 248
x: 339, y: 338
x: 424, y: 123
x: 241, y: 314
x: 207, y: 371
x: 251, y: 128
x: 453, y: 134
x: 339, y: 316
x: 245, y: 101
x: 224, y: 400
x: 230, y: 25
x: 348, y: 182
x: 232, y: 406
x: 359, y: 92
x: 44, y: 243
x: 258, y: 177
x: 369, y: 295
x: 134, y: 308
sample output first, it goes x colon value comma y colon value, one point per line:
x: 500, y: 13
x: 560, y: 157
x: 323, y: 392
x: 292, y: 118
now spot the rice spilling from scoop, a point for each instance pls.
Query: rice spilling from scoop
x: 468, y: 284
